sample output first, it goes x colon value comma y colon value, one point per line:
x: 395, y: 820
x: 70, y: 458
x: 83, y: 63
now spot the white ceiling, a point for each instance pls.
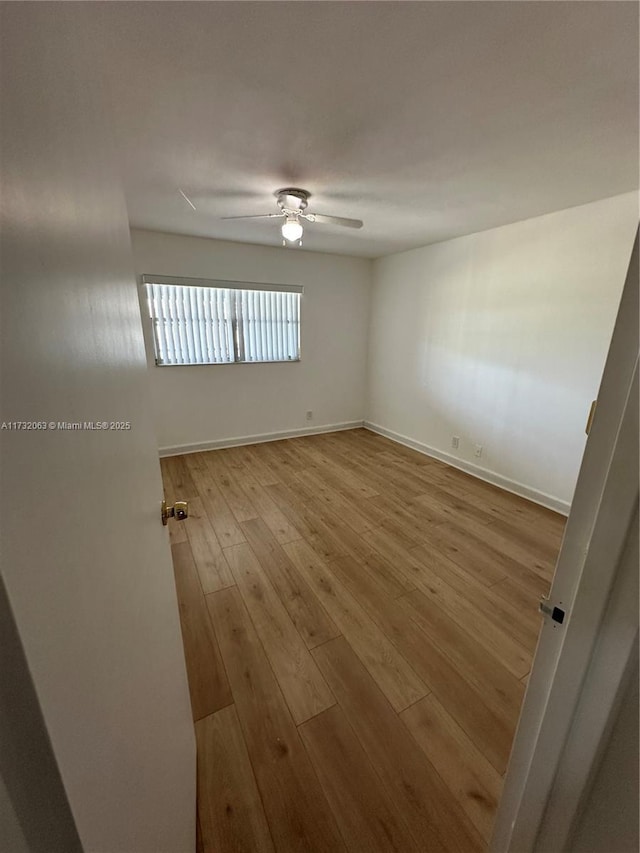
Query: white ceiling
x: 427, y: 120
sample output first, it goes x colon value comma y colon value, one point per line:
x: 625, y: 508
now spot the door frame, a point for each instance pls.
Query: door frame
x: 586, y: 583
x: 613, y: 664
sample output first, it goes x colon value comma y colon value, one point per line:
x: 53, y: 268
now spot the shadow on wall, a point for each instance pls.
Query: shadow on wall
x: 512, y: 366
x: 27, y: 766
x: 512, y: 412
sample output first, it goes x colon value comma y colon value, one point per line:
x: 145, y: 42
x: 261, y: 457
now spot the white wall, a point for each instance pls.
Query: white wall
x: 205, y: 404
x: 500, y: 338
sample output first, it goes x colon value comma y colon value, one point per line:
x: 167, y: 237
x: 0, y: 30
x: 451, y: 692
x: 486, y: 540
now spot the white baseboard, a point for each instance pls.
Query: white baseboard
x: 485, y: 474
x: 219, y: 443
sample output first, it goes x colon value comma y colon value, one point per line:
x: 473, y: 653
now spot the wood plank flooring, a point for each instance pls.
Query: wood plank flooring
x: 359, y: 622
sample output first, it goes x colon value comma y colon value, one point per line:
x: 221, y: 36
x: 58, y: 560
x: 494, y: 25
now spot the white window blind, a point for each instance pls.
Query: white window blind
x: 200, y: 322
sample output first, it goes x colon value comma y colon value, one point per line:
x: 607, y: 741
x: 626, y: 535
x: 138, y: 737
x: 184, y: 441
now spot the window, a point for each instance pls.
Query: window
x: 196, y: 321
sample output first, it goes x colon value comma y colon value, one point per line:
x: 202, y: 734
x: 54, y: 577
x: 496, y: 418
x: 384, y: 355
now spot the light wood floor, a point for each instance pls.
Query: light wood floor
x: 358, y: 622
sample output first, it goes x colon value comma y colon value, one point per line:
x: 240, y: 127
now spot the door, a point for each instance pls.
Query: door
x: 547, y: 773
x: 86, y: 560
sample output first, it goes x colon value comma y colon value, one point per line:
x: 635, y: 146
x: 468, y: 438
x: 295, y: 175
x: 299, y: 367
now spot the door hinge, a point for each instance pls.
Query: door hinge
x: 556, y: 613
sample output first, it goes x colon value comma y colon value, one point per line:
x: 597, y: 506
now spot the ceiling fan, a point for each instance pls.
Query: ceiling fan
x: 293, y: 202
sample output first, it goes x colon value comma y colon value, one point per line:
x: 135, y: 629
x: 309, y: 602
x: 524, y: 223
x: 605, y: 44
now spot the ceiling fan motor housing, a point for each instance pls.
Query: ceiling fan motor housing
x: 292, y: 198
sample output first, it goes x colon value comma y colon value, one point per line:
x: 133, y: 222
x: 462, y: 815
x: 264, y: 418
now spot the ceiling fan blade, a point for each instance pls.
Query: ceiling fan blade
x: 256, y: 216
x: 187, y: 199
x: 333, y: 220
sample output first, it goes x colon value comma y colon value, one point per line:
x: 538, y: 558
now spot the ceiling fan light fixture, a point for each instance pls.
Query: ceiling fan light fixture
x: 292, y: 230
x: 292, y: 205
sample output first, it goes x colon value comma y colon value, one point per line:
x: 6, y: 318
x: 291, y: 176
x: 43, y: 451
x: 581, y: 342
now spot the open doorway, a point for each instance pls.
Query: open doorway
x: 358, y: 617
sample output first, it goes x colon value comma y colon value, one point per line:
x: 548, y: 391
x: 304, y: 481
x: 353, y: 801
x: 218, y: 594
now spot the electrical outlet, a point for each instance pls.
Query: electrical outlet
x: 309, y: 415
x: 455, y: 441
x: 478, y: 452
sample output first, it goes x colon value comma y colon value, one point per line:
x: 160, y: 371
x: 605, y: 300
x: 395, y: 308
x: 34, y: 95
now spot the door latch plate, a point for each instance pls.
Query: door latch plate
x: 556, y: 613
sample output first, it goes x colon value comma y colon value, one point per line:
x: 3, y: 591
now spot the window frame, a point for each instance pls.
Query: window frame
x: 220, y: 284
